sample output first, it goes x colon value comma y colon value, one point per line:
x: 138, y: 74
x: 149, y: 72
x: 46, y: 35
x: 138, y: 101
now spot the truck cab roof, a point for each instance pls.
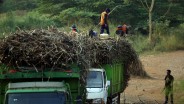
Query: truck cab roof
x: 97, y: 69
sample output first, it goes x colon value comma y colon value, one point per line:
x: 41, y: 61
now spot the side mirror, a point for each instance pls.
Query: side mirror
x: 108, y: 83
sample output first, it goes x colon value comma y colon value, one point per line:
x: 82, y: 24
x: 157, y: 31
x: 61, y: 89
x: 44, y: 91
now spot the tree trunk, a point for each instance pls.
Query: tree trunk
x: 150, y: 21
x: 150, y: 27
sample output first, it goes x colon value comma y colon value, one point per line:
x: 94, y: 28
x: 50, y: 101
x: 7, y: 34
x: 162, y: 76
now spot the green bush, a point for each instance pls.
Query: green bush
x: 165, y: 38
x: 170, y: 40
x: 161, y: 28
x: 31, y: 20
x: 8, y: 24
x: 11, y: 5
x: 140, y: 43
x: 179, y: 91
x: 34, y: 20
x: 179, y: 32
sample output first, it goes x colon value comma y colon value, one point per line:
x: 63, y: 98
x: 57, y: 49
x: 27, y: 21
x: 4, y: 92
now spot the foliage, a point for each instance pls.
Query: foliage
x: 140, y: 43
x: 8, y: 23
x: 173, y: 11
x: 167, y: 39
x: 161, y: 28
x: 31, y: 20
x: 178, y: 91
x: 11, y: 5
x: 73, y: 15
x: 34, y: 20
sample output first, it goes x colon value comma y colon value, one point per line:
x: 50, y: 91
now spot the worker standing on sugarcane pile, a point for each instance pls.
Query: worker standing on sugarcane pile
x: 104, y: 22
x: 125, y: 29
x: 74, y: 30
x: 122, y: 30
x: 169, y: 79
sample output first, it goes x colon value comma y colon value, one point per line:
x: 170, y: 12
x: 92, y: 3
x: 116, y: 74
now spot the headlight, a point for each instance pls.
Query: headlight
x: 97, y: 101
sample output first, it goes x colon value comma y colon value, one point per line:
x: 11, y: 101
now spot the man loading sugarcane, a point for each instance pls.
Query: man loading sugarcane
x: 122, y: 30
x: 169, y: 79
x: 103, y: 21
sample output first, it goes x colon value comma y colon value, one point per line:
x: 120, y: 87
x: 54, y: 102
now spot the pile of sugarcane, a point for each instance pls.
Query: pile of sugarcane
x: 38, y: 48
x: 53, y: 49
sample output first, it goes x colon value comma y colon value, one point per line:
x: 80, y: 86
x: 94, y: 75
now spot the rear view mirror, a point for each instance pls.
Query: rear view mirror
x: 108, y: 83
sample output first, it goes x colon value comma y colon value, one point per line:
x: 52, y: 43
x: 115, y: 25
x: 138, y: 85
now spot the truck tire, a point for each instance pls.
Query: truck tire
x: 109, y: 100
x: 119, y: 98
x: 115, y: 99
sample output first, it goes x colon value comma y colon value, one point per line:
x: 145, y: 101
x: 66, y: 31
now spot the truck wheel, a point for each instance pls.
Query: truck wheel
x: 119, y: 98
x: 109, y: 100
x: 114, y: 99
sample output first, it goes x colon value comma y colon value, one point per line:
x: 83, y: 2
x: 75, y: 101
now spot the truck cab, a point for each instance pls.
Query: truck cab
x: 61, y: 86
x: 37, y: 93
x: 97, y: 86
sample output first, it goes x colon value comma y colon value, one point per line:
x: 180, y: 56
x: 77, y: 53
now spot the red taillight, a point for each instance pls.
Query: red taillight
x: 68, y: 71
x: 12, y: 71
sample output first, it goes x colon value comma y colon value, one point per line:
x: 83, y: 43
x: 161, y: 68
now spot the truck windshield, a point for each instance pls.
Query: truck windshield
x: 36, y: 98
x: 94, y: 79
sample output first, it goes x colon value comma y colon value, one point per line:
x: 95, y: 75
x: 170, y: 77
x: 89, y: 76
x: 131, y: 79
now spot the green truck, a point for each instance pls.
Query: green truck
x: 21, y: 86
x: 54, y: 67
x: 105, y: 84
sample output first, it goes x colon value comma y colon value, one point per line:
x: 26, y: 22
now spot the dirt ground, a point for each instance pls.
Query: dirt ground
x: 149, y: 91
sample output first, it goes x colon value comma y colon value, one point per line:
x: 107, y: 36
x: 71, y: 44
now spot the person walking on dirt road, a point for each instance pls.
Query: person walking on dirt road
x: 103, y: 21
x: 169, y: 79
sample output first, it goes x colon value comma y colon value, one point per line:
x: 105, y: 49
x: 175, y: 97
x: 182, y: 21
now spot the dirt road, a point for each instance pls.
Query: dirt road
x: 149, y: 91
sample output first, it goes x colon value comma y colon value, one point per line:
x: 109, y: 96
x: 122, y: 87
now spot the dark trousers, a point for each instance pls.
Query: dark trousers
x: 167, y: 97
x: 168, y: 92
x: 104, y: 27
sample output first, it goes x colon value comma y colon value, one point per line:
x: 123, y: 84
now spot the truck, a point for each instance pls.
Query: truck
x: 52, y: 67
x: 27, y: 86
x: 105, y: 84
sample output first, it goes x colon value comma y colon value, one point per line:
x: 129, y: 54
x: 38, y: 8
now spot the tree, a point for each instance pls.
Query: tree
x: 13, y: 5
x: 149, y: 9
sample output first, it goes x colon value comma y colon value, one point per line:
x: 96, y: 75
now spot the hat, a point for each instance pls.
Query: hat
x: 73, y: 26
x: 119, y: 26
x: 107, y: 10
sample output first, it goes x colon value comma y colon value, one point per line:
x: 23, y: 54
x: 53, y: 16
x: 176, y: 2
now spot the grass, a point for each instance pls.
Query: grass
x: 170, y: 43
x: 170, y: 40
x: 140, y: 43
x: 32, y: 20
x: 179, y: 91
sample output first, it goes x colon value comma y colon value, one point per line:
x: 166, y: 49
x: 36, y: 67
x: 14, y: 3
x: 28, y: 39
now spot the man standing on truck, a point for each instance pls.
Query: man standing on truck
x: 169, y: 79
x: 122, y: 30
x: 125, y: 29
x: 103, y: 21
x: 74, y: 30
